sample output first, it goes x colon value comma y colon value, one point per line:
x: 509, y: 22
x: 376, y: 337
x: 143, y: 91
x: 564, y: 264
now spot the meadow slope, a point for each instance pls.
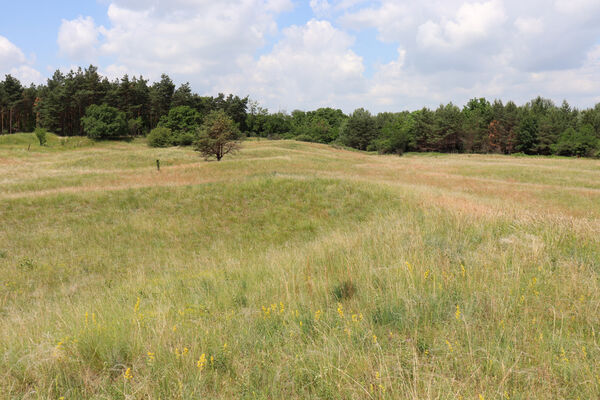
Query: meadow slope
x: 295, y: 270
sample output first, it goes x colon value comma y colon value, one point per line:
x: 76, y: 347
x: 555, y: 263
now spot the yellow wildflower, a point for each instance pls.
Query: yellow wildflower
x: 128, y: 374
x: 136, y: 308
x: 317, y: 315
x: 201, y: 362
x: 563, y: 355
x: 266, y: 312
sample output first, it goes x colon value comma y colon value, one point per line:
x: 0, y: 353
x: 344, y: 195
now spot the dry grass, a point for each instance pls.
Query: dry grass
x: 472, y: 276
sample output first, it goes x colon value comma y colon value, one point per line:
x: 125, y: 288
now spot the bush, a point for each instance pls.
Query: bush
x: 185, y: 138
x: 40, y: 133
x: 183, y: 121
x: 304, y: 138
x: 160, y: 137
x: 104, y: 122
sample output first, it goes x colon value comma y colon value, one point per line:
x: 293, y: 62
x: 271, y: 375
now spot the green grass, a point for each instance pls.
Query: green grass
x: 298, y: 271
x: 28, y: 141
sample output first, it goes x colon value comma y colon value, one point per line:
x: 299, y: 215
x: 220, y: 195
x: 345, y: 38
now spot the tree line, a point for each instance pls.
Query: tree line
x: 83, y: 102
x: 538, y: 127
x: 60, y: 105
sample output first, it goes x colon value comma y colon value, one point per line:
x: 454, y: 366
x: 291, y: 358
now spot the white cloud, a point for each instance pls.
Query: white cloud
x: 199, y: 39
x: 392, y: 18
x: 278, y: 6
x: 27, y: 74
x: 529, y: 26
x: 14, y: 62
x: 474, y: 22
x: 79, y: 38
x: 312, y: 65
x: 320, y: 7
x: 579, y: 7
x: 448, y: 50
x: 10, y: 55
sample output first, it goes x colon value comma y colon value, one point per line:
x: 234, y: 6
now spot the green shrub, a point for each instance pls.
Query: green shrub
x: 183, y: 121
x: 40, y: 133
x: 185, y: 138
x: 160, y: 137
x: 104, y: 122
x: 304, y: 138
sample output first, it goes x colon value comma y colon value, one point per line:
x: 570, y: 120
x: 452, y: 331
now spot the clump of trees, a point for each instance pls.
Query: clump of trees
x: 103, y: 122
x: 182, y: 122
x: 83, y: 102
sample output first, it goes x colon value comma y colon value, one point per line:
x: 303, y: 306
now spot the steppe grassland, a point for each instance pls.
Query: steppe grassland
x: 295, y: 270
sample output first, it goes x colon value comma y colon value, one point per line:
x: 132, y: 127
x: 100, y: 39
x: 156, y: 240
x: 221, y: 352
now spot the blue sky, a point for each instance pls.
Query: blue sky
x: 384, y: 55
x: 33, y: 26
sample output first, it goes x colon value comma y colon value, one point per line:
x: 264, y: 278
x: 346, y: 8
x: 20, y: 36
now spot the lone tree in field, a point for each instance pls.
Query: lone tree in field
x: 218, y: 136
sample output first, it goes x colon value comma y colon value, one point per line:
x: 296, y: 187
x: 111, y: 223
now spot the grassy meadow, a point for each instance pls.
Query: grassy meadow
x: 295, y: 270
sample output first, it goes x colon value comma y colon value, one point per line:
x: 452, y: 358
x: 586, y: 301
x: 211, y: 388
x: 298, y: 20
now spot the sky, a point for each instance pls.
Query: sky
x: 383, y: 55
